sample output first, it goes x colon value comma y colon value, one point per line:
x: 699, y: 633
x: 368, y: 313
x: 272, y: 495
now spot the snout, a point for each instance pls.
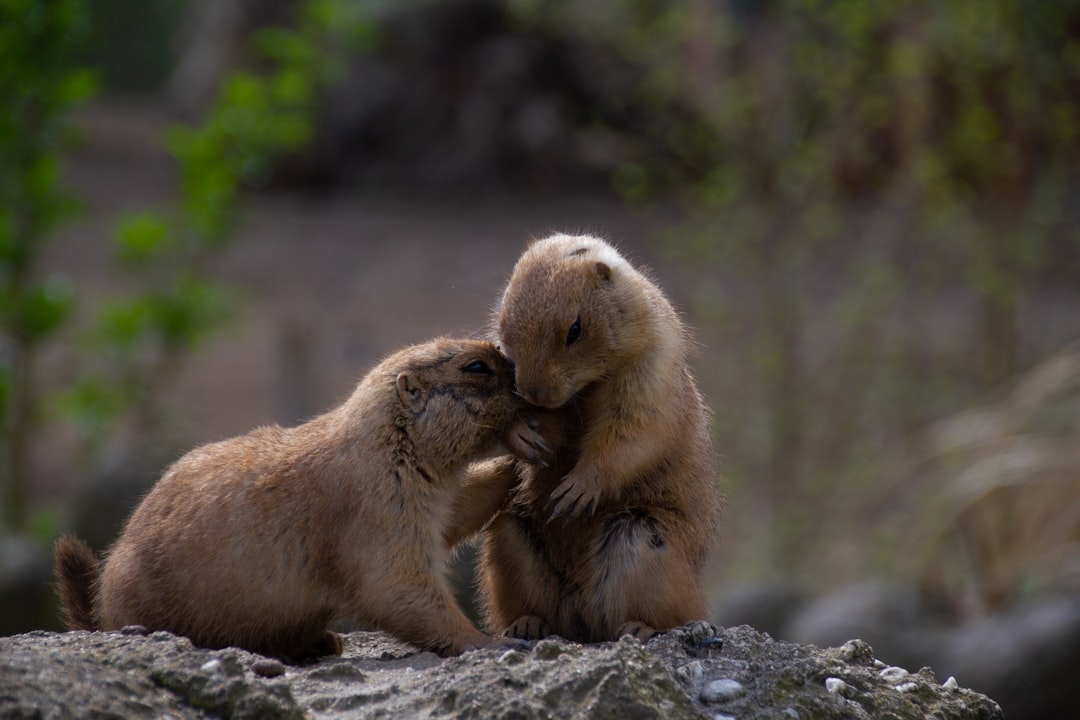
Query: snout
x: 539, y: 395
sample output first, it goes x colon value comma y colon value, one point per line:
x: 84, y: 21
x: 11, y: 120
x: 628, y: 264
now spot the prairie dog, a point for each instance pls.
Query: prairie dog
x: 261, y: 540
x: 611, y: 538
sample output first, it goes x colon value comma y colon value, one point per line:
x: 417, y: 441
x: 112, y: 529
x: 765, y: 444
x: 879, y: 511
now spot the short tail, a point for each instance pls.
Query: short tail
x: 77, y: 570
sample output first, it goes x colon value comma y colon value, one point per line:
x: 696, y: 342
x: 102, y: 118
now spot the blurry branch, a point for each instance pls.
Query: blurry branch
x: 39, y: 85
x: 140, y: 340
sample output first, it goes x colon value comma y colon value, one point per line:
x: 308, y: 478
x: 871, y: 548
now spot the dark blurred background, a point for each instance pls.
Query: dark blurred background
x: 216, y: 214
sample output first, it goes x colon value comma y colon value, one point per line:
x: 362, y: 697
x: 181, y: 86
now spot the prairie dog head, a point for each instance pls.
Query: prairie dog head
x: 457, y: 398
x: 560, y: 317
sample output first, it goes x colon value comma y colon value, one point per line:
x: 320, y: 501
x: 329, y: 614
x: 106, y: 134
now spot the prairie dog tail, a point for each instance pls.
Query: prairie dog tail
x: 77, y: 571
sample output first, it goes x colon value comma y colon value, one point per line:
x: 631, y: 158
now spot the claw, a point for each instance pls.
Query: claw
x: 541, y: 449
x: 559, y: 508
x: 543, y: 446
x: 570, y: 506
x: 534, y: 456
x: 530, y: 447
x: 571, y: 499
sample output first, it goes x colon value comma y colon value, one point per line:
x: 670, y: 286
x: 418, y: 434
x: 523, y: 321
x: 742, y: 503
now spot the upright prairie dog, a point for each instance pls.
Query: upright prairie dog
x: 612, y: 536
x: 261, y: 540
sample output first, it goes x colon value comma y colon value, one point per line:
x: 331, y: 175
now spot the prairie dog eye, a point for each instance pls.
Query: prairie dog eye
x: 477, y: 366
x: 574, y: 333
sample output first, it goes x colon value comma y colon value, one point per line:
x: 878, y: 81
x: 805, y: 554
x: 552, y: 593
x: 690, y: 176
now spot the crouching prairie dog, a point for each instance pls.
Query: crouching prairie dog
x: 261, y: 540
x: 612, y: 536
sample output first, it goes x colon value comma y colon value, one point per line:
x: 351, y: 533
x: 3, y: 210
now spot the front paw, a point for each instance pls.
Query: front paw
x: 526, y: 443
x: 577, y: 494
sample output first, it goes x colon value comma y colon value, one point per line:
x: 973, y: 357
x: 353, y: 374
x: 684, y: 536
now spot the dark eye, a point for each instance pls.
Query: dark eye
x: 477, y: 366
x: 574, y: 333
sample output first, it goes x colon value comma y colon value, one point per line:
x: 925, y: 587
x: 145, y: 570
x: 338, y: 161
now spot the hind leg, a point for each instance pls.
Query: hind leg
x: 636, y: 629
x: 293, y: 641
x: 646, y: 585
x: 514, y: 608
x: 329, y: 643
x: 528, y: 627
x: 419, y: 608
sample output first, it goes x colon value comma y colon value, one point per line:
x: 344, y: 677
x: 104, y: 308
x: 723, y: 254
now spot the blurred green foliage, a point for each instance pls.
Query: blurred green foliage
x: 841, y: 163
x: 39, y: 84
x: 138, y: 341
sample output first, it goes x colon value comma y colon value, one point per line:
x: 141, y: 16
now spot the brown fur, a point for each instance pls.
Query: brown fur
x: 77, y: 570
x: 261, y: 540
x: 613, y: 536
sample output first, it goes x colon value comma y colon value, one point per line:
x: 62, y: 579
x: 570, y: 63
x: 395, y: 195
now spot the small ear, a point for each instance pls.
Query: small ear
x: 603, y: 271
x: 410, y: 391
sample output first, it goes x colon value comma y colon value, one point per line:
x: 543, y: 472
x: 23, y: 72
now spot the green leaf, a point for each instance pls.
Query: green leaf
x: 141, y: 237
x: 123, y: 323
x: 44, y: 309
x: 93, y: 404
x: 631, y: 180
x: 78, y: 86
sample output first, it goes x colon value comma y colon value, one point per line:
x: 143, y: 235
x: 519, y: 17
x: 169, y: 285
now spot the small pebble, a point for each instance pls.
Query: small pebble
x: 211, y: 666
x: 856, y: 651
x: 723, y: 717
x: 722, y: 689
x: 692, y: 670
x: 835, y: 685
x: 894, y: 674
x: 134, y: 630
x: 511, y: 657
x: 950, y: 684
x: 547, y: 650
x: 268, y: 668
x: 907, y: 687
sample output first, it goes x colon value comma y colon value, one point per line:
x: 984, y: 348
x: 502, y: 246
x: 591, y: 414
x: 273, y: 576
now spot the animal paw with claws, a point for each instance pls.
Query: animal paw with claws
x: 526, y: 443
x: 577, y: 494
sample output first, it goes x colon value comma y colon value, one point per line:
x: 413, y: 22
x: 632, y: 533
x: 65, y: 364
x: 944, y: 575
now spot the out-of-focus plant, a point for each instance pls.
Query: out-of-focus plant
x: 260, y: 116
x: 1002, y: 481
x: 840, y: 162
x: 39, y: 84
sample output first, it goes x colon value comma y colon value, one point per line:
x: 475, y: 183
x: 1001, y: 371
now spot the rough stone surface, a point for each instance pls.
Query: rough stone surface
x: 114, y: 675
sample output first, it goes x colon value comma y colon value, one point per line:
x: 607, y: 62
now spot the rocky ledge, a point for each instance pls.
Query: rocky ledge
x: 697, y: 671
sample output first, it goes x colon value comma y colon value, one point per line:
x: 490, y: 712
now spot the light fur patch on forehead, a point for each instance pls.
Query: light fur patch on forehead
x: 587, y: 246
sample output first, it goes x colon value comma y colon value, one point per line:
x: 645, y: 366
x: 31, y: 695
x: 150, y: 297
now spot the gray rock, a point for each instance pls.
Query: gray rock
x: 1025, y: 657
x: 84, y: 675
